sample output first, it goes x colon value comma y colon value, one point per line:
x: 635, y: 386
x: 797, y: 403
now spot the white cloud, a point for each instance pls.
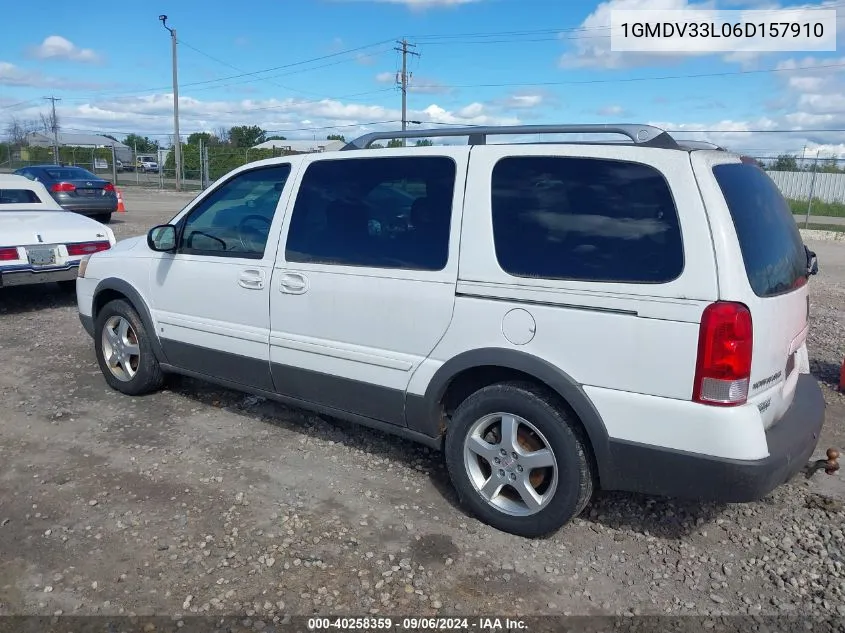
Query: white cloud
x: 420, y: 85
x: 152, y: 115
x: 58, y: 47
x: 522, y: 101
x: 591, y: 43
x: 611, y: 110
x: 365, y: 59
x: 11, y: 75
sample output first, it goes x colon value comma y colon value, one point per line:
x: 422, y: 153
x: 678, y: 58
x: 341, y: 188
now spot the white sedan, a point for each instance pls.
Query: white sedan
x: 40, y: 242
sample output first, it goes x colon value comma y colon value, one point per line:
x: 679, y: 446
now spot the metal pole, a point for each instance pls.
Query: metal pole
x: 55, y: 129
x: 206, y: 170
x: 812, y: 190
x: 177, y: 147
x: 404, y: 81
x: 113, y: 165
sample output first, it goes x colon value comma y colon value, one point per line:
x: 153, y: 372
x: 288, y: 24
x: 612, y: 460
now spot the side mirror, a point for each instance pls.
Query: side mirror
x: 812, y: 262
x: 162, y: 238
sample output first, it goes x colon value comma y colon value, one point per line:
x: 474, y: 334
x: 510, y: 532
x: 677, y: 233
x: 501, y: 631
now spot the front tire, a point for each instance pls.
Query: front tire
x: 517, y: 460
x: 124, y: 352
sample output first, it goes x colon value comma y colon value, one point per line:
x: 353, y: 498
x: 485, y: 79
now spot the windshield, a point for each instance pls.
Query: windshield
x: 70, y: 173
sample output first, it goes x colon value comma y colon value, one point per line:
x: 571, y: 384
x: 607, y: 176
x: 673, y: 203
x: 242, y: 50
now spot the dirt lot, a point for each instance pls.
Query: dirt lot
x: 197, y: 500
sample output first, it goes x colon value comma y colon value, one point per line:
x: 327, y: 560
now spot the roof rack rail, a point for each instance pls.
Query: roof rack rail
x: 692, y: 144
x: 641, y: 135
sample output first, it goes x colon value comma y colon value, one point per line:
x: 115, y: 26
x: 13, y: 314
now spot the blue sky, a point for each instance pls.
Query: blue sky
x: 481, y: 62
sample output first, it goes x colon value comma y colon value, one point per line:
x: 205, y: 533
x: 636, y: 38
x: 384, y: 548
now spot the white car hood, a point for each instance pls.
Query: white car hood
x: 20, y: 228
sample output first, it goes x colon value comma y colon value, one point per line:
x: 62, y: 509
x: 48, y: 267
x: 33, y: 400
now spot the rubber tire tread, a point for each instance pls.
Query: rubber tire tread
x: 576, y: 477
x: 149, y: 377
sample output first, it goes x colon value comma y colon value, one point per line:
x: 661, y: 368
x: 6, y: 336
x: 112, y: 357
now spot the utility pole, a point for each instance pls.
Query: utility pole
x: 403, y: 80
x: 177, y: 147
x: 54, y: 123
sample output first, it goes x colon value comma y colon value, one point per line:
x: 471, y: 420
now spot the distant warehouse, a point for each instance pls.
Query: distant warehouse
x: 122, y: 152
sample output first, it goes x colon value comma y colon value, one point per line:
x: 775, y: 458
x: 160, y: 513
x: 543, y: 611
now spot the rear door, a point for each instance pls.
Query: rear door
x: 763, y: 264
x: 364, y: 283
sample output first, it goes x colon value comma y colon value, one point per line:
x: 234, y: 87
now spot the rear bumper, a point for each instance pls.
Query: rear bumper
x: 27, y: 277
x: 791, y: 442
x: 90, y: 207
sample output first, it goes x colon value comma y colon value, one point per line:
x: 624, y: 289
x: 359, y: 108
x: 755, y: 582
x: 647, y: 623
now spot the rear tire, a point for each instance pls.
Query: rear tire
x: 67, y: 285
x: 532, y: 475
x: 103, y: 218
x: 124, y: 351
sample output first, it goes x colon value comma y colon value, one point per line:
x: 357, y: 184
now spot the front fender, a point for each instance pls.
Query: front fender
x: 121, y: 287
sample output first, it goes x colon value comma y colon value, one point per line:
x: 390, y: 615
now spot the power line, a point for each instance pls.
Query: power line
x: 634, y: 79
x: 224, y: 63
x: 256, y: 72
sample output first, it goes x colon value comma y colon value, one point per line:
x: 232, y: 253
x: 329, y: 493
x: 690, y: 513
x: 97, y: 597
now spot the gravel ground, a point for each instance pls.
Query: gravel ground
x: 198, y: 500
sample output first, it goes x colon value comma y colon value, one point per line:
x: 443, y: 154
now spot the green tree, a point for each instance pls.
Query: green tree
x: 141, y: 143
x: 336, y: 137
x: 276, y: 138
x: 424, y: 143
x: 208, y: 139
x: 246, y: 135
x: 394, y: 142
x: 785, y: 162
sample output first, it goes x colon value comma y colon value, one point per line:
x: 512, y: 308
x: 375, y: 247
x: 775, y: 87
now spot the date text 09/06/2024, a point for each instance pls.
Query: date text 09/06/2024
x: 491, y: 624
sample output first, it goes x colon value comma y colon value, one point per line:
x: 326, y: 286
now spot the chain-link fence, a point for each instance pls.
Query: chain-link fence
x: 813, y: 183
x: 126, y: 167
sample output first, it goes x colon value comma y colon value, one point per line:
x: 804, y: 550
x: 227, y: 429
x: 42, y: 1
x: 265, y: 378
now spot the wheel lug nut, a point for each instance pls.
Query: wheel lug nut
x: 497, y: 460
x: 503, y: 452
x: 513, y: 476
x: 501, y: 473
x: 514, y: 455
x: 518, y: 468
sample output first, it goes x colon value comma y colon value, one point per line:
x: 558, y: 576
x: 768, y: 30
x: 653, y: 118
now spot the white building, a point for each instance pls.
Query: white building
x: 40, y: 139
x: 320, y: 145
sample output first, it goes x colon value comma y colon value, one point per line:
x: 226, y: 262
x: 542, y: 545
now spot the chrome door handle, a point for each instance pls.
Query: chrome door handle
x: 251, y: 279
x: 293, y: 283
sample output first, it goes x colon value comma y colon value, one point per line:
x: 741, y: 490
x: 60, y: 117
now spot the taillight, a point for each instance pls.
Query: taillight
x: 86, y: 248
x: 63, y: 186
x: 108, y: 187
x: 8, y: 254
x: 723, y: 368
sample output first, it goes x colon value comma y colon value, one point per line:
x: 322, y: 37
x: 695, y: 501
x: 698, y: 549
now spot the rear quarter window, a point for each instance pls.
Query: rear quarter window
x: 19, y: 196
x: 772, y: 248
x: 585, y: 219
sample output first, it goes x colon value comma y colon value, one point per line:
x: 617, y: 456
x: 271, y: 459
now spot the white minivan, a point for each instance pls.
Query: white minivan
x: 557, y: 317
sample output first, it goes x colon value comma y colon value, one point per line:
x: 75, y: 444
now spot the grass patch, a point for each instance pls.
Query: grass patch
x: 828, y: 209
x: 839, y: 228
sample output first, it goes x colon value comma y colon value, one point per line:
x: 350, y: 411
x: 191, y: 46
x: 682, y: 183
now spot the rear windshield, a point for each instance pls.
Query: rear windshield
x: 18, y: 196
x: 771, y: 245
x: 70, y: 173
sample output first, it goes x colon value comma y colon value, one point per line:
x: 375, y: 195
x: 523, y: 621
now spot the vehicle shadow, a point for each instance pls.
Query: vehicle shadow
x: 23, y: 299
x: 826, y: 372
x: 621, y: 512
